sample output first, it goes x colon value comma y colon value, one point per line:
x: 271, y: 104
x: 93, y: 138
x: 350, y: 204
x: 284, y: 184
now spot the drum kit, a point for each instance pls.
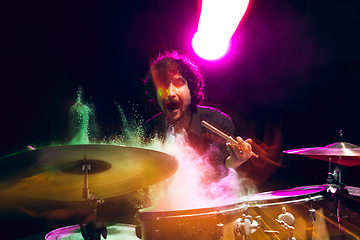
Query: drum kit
x: 69, y: 173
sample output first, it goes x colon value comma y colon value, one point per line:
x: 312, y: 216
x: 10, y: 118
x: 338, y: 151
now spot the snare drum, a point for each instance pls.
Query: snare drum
x: 289, y: 213
x: 114, y: 232
x: 261, y: 215
x: 200, y: 224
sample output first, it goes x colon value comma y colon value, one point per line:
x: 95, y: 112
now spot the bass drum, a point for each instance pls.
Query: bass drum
x: 291, y: 213
x: 191, y: 224
x: 114, y: 232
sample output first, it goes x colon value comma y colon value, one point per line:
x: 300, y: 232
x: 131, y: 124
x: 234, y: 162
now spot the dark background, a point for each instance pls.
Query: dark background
x: 295, y: 62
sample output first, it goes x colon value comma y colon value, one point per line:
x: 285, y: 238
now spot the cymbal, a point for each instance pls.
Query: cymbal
x: 343, y: 153
x: 55, y: 173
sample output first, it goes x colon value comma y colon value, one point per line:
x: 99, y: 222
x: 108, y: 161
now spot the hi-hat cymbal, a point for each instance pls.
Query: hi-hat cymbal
x: 343, y: 153
x: 55, y: 173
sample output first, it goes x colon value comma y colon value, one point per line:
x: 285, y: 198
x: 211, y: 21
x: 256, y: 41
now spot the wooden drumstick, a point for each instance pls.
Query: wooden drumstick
x: 223, y: 135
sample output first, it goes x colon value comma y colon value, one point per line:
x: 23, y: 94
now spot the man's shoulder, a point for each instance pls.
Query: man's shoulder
x: 216, y: 118
x: 207, y: 111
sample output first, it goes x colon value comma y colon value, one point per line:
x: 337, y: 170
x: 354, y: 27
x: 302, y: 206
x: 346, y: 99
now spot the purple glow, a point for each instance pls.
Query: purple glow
x: 217, y: 23
x: 61, y: 233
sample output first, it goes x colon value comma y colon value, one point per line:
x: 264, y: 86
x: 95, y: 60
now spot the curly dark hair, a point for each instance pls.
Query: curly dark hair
x: 188, y: 70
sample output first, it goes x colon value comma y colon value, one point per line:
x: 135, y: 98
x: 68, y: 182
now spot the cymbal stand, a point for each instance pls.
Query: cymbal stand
x: 338, y: 200
x: 329, y: 179
x: 339, y: 195
x: 92, y: 230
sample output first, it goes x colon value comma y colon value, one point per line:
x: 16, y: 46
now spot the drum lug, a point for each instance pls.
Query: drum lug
x: 286, y: 217
x: 138, y: 231
x: 286, y: 221
x: 312, y: 216
x: 157, y: 235
x: 245, y: 226
x: 220, y: 230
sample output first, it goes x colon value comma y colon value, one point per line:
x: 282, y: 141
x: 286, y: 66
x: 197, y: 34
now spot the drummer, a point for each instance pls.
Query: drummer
x: 174, y: 83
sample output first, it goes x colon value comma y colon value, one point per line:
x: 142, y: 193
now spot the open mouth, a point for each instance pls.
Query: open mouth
x: 172, y: 106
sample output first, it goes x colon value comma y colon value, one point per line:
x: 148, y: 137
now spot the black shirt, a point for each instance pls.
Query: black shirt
x: 201, y: 139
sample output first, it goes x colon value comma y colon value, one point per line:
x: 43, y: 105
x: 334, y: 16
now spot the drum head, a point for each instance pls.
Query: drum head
x: 114, y: 232
x: 286, y: 194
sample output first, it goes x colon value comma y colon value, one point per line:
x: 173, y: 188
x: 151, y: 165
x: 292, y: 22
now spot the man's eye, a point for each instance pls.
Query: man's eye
x: 179, y: 82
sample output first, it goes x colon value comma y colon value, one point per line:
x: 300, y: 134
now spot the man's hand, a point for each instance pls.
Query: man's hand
x: 239, y: 152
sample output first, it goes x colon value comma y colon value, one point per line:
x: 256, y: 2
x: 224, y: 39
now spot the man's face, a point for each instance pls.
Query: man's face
x: 173, y: 94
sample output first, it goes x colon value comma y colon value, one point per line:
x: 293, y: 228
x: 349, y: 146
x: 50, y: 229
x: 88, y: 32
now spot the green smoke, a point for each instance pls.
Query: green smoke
x: 83, y: 125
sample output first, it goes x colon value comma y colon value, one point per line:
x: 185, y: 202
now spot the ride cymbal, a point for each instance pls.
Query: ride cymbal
x: 55, y: 173
x: 343, y: 153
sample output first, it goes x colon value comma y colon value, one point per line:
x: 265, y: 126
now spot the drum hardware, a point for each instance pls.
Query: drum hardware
x: 92, y: 230
x: 286, y: 217
x: 157, y: 234
x: 192, y: 224
x: 340, y: 200
x: 278, y: 210
x: 289, y: 229
x: 245, y: 226
x: 138, y: 232
x: 345, y: 155
x: 309, y: 198
x: 271, y: 233
x: 260, y: 221
x: 261, y: 224
x: 220, y: 230
x: 287, y: 221
x: 312, y: 215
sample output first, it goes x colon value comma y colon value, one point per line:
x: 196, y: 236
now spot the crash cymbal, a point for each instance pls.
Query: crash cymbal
x: 343, y: 153
x: 55, y: 173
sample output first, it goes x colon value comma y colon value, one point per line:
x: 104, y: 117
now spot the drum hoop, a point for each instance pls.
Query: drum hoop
x: 77, y: 228
x: 58, y: 229
x: 191, y: 213
x: 290, y: 202
x: 317, y: 190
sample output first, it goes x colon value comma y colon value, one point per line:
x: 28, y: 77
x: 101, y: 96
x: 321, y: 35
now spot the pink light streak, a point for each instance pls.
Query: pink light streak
x: 217, y: 23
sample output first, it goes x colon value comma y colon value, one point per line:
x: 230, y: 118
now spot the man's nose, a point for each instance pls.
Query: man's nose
x: 171, y: 90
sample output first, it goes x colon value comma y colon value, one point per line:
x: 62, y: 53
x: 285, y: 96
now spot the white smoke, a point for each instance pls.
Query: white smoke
x: 188, y: 187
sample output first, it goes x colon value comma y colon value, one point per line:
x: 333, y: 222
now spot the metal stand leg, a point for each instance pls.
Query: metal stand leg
x: 92, y: 230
